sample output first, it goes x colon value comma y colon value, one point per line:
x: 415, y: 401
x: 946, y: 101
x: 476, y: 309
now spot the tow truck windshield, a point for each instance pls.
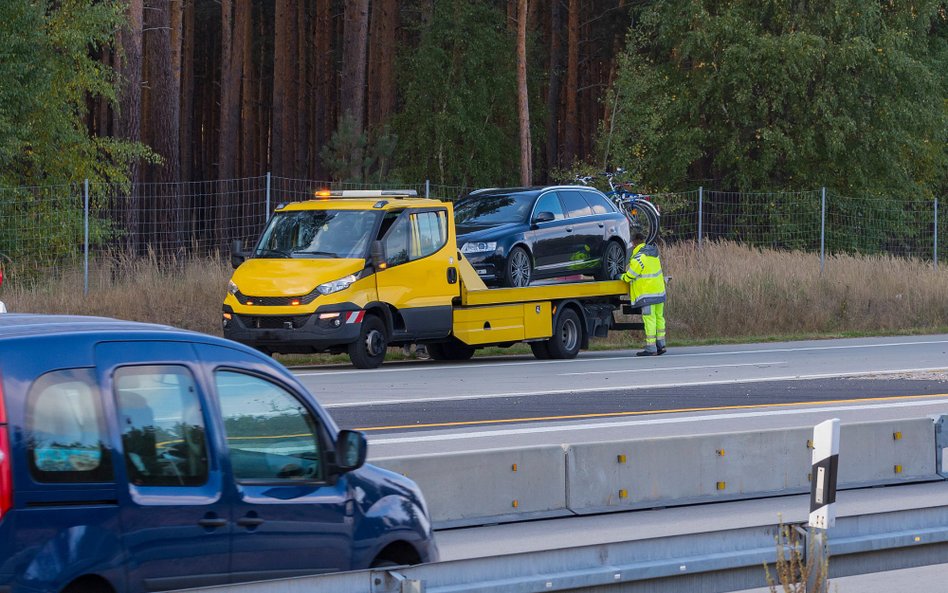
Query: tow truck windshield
x: 344, y: 234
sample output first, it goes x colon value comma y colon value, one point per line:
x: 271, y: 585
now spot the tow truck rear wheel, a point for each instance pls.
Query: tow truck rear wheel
x: 567, y: 335
x: 453, y: 350
x: 368, y: 351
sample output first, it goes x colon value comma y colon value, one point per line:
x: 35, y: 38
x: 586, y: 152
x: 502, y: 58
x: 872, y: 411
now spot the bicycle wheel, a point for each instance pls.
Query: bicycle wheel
x: 643, y: 217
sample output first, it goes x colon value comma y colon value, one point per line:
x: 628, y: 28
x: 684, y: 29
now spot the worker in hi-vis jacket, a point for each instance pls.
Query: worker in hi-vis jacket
x: 647, y: 290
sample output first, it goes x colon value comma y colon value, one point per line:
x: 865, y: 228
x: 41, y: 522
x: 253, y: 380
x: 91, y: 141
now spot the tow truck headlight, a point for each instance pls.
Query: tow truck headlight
x: 337, y: 285
x: 478, y: 246
x: 232, y: 288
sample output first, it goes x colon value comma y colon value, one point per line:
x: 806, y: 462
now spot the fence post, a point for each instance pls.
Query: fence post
x: 266, y: 213
x: 936, y: 234
x: 822, y: 228
x: 85, y: 243
x: 700, y: 202
x: 427, y: 187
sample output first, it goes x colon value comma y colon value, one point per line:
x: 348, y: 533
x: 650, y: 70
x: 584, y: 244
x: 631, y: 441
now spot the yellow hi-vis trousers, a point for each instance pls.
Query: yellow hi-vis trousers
x: 653, y: 316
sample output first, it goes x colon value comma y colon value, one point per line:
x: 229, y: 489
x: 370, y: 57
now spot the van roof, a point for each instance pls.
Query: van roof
x: 30, y: 324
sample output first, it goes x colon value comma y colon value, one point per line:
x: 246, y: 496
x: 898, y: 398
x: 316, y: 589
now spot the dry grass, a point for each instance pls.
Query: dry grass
x: 722, y: 291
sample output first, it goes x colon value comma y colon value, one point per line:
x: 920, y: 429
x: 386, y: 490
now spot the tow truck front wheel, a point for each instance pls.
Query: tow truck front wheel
x: 368, y: 351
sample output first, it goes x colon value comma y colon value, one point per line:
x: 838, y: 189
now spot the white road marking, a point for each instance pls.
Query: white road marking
x: 640, y: 422
x: 634, y: 386
x: 707, y: 366
x: 672, y: 355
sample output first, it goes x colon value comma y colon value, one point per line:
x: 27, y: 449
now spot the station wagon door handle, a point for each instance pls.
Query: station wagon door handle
x: 569, y: 229
x: 212, y: 522
x: 249, y: 521
x: 602, y: 224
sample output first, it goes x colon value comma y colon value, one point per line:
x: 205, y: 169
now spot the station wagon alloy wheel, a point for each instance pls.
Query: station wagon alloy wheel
x: 519, y: 268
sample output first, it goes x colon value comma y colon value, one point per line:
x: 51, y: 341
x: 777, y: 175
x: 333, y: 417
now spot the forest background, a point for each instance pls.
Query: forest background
x: 735, y: 95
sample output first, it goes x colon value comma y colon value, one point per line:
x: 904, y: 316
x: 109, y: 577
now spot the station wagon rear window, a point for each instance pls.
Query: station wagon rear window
x: 65, y: 429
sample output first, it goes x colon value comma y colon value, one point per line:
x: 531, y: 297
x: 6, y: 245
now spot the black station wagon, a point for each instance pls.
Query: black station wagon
x: 513, y: 236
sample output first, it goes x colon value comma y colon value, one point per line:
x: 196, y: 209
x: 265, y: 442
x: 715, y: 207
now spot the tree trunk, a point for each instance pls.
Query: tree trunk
x: 128, y: 124
x: 353, y: 74
x: 230, y: 93
x: 187, y: 91
x: 572, y: 83
x: 163, y: 125
x: 302, y: 95
x: 247, y: 131
x: 284, y: 62
x: 556, y: 84
x: 322, y: 119
x: 381, y: 80
x: 523, y: 105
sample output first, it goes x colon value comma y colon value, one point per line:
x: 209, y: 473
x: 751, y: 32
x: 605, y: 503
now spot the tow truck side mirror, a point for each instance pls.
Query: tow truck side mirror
x: 378, y: 255
x: 237, y: 256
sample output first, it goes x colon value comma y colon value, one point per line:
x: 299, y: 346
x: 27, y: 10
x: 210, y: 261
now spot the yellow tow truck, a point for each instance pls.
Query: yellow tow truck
x: 358, y: 271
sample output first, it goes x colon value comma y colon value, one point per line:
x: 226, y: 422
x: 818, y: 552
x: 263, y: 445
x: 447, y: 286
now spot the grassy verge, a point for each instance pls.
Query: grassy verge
x: 722, y: 293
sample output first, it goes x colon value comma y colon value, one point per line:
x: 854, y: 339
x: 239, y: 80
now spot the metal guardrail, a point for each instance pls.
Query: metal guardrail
x: 727, y: 560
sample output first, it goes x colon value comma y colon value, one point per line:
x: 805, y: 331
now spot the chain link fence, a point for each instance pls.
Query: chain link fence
x: 46, y: 231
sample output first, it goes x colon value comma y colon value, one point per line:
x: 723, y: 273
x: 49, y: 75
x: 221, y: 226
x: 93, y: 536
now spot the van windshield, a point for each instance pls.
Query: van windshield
x: 344, y: 234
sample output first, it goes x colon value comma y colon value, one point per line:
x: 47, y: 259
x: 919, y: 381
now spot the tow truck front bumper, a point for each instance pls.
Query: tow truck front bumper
x: 328, y: 329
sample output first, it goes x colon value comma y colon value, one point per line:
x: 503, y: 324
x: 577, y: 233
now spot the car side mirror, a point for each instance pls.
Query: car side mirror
x: 237, y: 256
x: 351, y: 448
x: 544, y: 217
x: 378, y: 255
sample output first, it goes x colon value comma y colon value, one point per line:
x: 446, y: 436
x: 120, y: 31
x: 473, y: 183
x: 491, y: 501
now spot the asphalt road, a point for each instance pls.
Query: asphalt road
x: 510, y: 401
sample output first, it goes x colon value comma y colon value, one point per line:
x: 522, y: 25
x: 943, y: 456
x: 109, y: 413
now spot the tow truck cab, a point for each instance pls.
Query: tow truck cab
x: 357, y: 271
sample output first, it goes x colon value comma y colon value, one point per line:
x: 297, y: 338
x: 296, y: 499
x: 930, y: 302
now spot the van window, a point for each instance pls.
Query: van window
x: 431, y: 231
x: 162, y: 426
x: 65, y: 429
x: 271, y: 435
x: 396, y: 242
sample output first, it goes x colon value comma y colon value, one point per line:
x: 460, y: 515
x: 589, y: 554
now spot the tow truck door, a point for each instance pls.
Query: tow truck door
x: 420, y: 276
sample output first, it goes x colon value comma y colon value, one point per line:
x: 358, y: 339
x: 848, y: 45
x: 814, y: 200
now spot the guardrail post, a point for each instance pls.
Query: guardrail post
x: 85, y: 243
x: 700, y: 203
x: 941, y: 444
x: 822, y: 501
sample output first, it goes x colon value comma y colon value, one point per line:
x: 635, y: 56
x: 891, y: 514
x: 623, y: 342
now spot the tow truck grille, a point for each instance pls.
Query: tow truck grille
x: 274, y: 321
x: 306, y: 299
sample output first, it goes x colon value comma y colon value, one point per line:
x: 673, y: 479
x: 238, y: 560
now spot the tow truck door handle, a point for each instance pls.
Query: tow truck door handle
x: 452, y: 275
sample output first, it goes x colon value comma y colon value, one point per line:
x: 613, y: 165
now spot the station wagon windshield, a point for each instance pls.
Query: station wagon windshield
x: 318, y: 233
x: 493, y: 210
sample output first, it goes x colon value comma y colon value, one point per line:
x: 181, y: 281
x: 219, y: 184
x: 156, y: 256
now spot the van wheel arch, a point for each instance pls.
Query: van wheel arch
x: 398, y: 553
x: 89, y: 583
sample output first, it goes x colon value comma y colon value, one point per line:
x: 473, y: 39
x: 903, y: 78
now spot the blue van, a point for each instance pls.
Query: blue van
x: 137, y: 457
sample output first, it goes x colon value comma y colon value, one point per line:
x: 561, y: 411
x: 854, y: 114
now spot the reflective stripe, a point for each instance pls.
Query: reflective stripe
x: 655, y: 275
x: 355, y: 317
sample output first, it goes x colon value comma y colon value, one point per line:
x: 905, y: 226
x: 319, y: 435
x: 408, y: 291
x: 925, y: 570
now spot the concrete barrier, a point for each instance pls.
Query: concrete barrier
x: 889, y: 452
x: 684, y: 470
x: 488, y: 486
x: 509, y: 485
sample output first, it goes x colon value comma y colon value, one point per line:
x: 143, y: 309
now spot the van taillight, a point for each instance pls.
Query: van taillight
x: 6, y: 461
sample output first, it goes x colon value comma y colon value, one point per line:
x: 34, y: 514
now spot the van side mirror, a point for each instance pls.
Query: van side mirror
x: 544, y: 217
x: 378, y: 255
x: 237, y: 256
x: 351, y: 448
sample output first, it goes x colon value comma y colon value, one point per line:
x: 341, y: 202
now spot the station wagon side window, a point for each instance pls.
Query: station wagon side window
x: 574, y: 203
x: 550, y: 203
x: 65, y: 429
x: 162, y: 426
x: 599, y: 204
x: 271, y: 435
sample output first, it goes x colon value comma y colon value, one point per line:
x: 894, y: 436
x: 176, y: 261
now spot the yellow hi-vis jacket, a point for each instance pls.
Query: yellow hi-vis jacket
x: 646, y: 282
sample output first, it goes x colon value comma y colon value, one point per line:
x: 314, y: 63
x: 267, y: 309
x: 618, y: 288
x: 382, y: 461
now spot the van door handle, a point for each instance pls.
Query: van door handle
x: 250, y: 521
x: 212, y: 522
